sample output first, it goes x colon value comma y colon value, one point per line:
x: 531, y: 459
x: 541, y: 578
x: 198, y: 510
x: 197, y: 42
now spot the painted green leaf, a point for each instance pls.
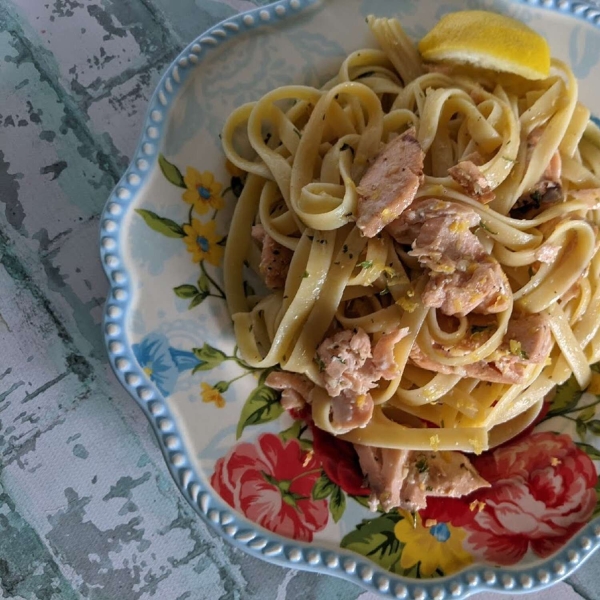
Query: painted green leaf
x: 581, y: 429
x: 323, y: 487
x: 185, y: 291
x: 587, y: 413
x: 161, y: 224
x: 222, y: 386
x: 594, y: 426
x: 171, y: 172
x: 261, y: 406
x: 294, y: 432
x: 211, y: 357
x: 567, y: 396
x: 597, y: 509
x: 291, y: 433
x: 196, y: 300
x: 337, y: 503
x: 592, y: 452
x: 364, y: 501
x: 204, y: 283
x: 375, y: 539
x: 199, y: 367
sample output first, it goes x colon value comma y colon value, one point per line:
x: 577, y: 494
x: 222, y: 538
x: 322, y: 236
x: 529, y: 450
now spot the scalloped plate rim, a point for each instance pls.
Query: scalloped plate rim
x: 222, y: 518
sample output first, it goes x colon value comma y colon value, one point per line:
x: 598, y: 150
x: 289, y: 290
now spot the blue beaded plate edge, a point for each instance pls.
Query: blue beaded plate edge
x: 233, y: 527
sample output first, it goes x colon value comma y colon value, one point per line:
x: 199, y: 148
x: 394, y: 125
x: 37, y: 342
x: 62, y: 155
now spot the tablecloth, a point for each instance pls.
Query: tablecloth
x: 87, y: 506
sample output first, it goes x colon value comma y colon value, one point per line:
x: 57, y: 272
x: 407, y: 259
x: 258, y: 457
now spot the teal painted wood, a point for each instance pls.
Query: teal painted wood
x: 87, y: 506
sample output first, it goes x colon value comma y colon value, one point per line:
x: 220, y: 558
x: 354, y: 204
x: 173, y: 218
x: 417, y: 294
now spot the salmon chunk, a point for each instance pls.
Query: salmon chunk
x: 528, y: 341
x: 295, y: 388
x: 347, y: 360
x: 548, y: 188
x: 390, y: 184
x: 275, y: 259
x: 350, y: 410
x: 404, y: 478
x: 463, y: 277
x: 470, y: 177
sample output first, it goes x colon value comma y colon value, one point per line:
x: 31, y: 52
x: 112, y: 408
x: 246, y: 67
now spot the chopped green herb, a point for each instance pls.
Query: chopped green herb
x: 384, y: 291
x: 366, y: 264
x: 486, y: 228
x: 422, y: 465
x: 320, y: 363
x: 340, y: 359
x: 305, y: 275
x: 479, y: 328
x: 517, y: 350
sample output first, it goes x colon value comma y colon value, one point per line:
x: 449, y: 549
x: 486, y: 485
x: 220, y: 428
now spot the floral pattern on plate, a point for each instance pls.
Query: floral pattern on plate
x: 294, y: 481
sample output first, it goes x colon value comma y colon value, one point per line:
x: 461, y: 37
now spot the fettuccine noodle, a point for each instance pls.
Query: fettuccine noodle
x: 305, y: 152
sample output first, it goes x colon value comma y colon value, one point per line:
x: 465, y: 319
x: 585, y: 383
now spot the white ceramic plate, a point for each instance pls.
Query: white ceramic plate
x: 244, y: 466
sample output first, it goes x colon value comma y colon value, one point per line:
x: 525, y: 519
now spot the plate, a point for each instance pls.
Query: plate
x: 252, y: 472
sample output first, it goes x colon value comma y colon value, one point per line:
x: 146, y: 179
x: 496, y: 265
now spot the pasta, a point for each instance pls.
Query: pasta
x: 504, y: 174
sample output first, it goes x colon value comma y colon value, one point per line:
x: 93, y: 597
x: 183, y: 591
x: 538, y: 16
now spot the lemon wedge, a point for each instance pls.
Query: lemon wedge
x: 490, y: 41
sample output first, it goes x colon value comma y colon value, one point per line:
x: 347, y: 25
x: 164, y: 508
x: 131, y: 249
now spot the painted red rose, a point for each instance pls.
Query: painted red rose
x: 271, y: 484
x: 340, y: 462
x: 542, y: 493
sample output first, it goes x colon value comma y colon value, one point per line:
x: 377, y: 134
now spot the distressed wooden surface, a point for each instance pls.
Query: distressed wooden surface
x: 87, y: 507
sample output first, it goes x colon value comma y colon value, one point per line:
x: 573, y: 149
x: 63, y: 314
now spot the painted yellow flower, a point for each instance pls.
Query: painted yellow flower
x: 233, y: 170
x: 438, y: 546
x: 203, y: 242
x: 203, y: 192
x: 594, y: 387
x: 209, y: 394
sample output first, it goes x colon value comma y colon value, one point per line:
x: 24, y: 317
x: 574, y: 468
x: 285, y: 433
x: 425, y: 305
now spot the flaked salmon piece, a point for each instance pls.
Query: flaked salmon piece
x: 481, y: 288
x: 350, y: 410
x: 533, y: 334
x: 385, y: 470
x: 470, y: 177
x: 547, y: 190
x: 407, y: 227
x: 446, y: 474
x: 275, y: 259
x: 341, y: 359
x: 547, y: 253
x: 463, y: 277
x: 347, y: 361
x: 405, y: 478
x: 295, y: 388
x: 528, y: 340
x: 383, y: 353
x: 390, y: 184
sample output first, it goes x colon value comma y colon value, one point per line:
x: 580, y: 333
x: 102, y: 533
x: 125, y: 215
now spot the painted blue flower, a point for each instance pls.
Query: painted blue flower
x: 183, y: 359
x: 162, y: 363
